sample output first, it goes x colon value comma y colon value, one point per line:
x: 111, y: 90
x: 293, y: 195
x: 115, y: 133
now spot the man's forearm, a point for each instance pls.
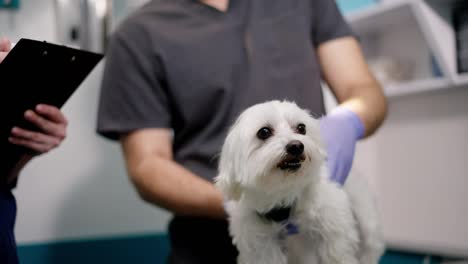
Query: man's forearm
x: 167, y: 184
x: 350, y: 79
x: 369, y: 103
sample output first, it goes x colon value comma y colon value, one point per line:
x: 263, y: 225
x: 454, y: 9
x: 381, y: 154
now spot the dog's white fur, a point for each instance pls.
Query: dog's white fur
x: 336, y: 225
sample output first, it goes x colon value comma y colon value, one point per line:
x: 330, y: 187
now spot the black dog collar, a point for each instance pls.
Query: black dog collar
x: 282, y: 215
x: 279, y: 214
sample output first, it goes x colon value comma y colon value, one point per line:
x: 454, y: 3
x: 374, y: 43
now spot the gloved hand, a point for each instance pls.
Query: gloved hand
x: 340, y: 130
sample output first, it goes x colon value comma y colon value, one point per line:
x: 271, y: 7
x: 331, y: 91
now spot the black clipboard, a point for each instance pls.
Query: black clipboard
x: 37, y: 72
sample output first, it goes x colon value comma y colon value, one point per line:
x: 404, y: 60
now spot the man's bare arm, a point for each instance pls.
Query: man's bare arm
x: 345, y: 70
x: 165, y: 183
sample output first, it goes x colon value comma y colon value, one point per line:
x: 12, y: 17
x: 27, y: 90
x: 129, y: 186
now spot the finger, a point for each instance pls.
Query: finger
x: 5, y: 45
x: 52, y: 113
x: 47, y: 126
x: 2, y: 56
x: 37, y: 147
x: 35, y: 136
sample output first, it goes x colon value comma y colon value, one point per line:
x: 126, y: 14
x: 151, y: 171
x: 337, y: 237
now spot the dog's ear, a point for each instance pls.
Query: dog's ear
x: 230, y: 189
x: 228, y: 178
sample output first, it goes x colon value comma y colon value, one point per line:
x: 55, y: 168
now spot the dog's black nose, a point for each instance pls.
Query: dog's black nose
x: 295, y: 148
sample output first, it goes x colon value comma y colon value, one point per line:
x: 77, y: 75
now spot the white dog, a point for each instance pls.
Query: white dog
x: 272, y: 175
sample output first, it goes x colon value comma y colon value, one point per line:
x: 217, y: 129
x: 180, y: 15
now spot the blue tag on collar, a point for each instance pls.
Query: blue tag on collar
x: 292, y: 229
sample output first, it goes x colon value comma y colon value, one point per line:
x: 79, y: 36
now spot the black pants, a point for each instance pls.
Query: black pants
x: 200, y: 241
x: 8, y: 253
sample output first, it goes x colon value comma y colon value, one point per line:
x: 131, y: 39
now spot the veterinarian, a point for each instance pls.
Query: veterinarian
x: 178, y: 72
x: 53, y: 124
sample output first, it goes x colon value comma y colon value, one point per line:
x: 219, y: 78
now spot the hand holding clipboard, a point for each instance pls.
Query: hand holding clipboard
x: 37, y: 78
x: 5, y: 47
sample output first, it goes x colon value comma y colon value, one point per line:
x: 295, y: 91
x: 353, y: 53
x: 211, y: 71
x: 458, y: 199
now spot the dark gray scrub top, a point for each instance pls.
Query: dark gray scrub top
x: 183, y: 65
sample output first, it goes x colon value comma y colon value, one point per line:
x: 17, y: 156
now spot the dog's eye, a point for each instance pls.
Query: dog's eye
x: 301, y: 129
x: 264, y: 133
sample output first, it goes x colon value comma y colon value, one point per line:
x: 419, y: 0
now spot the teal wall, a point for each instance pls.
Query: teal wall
x: 353, y: 5
x: 14, y: 4
x: 141, y: 249
x: 152, y: 248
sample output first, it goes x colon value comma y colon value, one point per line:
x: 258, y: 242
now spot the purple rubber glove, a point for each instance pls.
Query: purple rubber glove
x: 341, y: 129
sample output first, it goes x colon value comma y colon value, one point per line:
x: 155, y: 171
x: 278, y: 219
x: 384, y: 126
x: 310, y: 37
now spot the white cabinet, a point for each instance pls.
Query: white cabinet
x: 413, y: 42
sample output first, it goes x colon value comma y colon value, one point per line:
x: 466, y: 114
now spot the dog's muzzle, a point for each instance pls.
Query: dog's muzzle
x: 294, y: 157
